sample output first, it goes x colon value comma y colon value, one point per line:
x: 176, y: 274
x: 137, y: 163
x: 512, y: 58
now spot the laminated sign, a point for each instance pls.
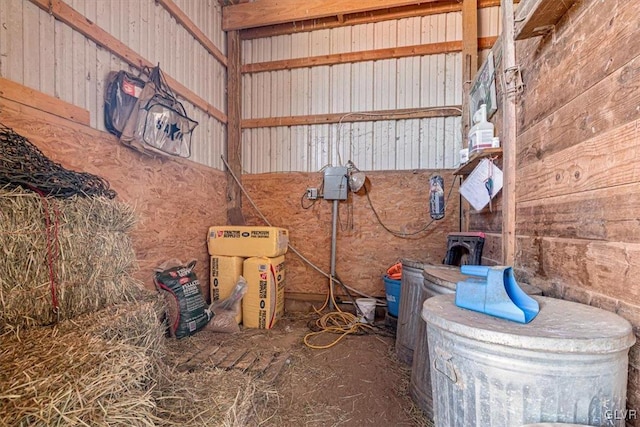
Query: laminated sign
x: 482, y: 184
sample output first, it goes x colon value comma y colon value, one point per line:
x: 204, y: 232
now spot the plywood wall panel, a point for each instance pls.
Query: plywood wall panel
x: 364, y: 249
x: 176, y: 200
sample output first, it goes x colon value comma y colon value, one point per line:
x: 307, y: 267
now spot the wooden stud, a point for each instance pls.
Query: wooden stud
x: 234, y: 143
x: 508, y: 138
x: 65, y: 13
x: 368, y: 55
x: 469, y: 70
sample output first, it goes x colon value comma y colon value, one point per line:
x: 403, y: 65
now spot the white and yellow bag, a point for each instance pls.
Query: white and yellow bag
x: 263, y: 304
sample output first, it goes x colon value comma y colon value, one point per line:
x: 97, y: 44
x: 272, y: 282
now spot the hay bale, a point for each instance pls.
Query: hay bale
x: 48, y: 377
x: 99, y: 369
x: 93, y: 268
x: 140, y: 324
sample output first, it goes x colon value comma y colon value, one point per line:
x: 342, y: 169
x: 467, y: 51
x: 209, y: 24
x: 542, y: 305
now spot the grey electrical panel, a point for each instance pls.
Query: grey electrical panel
x: 335, y: 183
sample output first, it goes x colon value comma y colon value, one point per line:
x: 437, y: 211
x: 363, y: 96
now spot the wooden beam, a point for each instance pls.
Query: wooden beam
x: 193, y: 29
x: 74, y: 19
x: 367, y: 55
x: 469, y: 69
x: 234, y: 143
x: 538, y: 17
x: 24, y: 95
x: 270, y: 12
x: 423, y: 9
x: 508, y: 140
x: 469, y: 55
x: 364, y: 116
x: 350, y: 57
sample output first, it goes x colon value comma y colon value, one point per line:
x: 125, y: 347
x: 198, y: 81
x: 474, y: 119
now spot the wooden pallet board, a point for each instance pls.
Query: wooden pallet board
x: 246, y: 361
x: 274, y: 369
x: 265, y: 366
x: 232, y: 359
x: 198, y: 359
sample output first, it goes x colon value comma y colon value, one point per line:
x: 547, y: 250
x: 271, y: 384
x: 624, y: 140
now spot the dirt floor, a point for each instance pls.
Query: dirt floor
x: 357, y: 382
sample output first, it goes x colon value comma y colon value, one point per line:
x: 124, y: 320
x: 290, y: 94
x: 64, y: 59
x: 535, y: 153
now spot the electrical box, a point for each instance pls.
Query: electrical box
x: 335, y: 183
x: 312, y: 193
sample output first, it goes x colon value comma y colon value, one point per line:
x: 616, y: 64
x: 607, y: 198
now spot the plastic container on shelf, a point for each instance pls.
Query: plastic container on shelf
x: 481, y: 133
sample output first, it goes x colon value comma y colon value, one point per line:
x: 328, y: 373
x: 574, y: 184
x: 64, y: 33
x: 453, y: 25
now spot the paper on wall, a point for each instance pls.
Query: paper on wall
x: 474, y: 190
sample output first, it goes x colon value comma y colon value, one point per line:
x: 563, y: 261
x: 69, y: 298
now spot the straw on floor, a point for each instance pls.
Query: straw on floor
x: 52, y: 377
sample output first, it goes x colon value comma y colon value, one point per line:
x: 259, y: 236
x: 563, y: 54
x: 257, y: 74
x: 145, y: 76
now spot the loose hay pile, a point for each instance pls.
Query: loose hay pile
x: 100, y: 370
x: 91, y: 269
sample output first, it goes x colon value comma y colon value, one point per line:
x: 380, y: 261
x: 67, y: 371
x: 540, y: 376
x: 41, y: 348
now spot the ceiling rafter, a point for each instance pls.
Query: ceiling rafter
x: 261, y: 13
x: 442, y: 6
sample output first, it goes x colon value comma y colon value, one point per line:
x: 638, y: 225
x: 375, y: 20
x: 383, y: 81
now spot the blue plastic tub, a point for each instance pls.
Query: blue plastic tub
x: 392, y: 289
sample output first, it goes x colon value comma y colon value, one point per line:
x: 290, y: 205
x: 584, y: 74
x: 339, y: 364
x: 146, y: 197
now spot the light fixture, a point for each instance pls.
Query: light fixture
x: 356, y: 178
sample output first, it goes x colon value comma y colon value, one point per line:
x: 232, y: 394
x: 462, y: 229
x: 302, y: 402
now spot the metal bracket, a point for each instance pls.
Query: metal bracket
x: 513, y: 81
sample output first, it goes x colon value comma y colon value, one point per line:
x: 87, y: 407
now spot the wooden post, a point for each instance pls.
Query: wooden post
x: 234, y: 147
x: 469, y: 70
x: 508, y: 139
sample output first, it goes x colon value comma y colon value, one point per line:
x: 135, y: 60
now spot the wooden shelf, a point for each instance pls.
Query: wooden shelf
x: 537, y: 17
x: 475, y: 158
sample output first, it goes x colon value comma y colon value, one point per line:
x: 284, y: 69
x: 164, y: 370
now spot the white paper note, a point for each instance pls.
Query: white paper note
x: 474, y: 189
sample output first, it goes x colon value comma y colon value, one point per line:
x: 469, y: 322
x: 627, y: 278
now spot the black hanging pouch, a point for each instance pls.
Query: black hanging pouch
x: 120, y: 98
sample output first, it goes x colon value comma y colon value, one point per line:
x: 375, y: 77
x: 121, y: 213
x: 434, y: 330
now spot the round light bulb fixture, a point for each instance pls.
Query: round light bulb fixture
x: 356, y: 181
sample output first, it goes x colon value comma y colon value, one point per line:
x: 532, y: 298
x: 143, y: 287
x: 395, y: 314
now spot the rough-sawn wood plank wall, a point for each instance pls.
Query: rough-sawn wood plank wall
x: 578, y: 179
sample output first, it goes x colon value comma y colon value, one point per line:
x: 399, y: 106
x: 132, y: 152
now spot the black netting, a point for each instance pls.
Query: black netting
x: 23, y: 164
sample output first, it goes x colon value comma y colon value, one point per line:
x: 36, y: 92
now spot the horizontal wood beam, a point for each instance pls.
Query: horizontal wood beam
x: 364, y: 116
x: 424, y: 9
x: 74, y: 19
x: 270, y: 12
x: 25, y: 95
x: 537, y: 17
x: 193, y: 29
x: 367, y: 55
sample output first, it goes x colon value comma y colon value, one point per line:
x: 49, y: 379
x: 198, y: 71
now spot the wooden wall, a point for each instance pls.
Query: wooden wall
x: 364, y: 248
x: 578, y: 176
x: 176, y: 200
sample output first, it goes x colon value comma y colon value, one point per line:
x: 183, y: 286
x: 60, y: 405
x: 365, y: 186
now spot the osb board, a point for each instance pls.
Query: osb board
x: 176, y: 200
x: 364, y: 249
